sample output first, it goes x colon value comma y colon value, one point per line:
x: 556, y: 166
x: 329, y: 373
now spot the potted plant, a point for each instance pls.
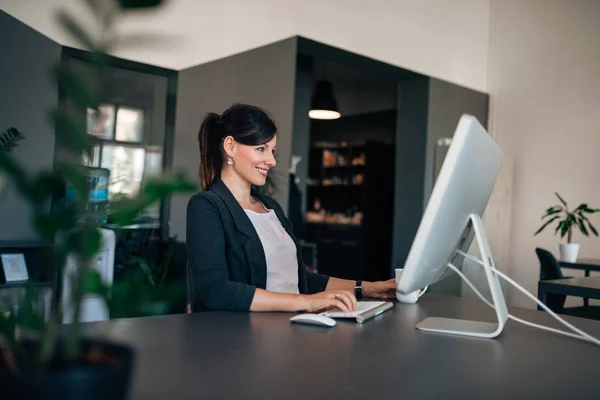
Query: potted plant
x: 39, y: 357
x: 566, y: 222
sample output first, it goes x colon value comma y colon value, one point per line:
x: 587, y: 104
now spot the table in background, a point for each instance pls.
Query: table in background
x: 263, y: 356
x: 585, y: 264
x: 587, y: 287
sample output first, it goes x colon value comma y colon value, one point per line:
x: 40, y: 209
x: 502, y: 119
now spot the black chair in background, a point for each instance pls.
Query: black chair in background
x: 550, y: 269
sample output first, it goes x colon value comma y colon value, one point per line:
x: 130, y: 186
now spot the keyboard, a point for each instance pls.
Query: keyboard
x: 365, y: 310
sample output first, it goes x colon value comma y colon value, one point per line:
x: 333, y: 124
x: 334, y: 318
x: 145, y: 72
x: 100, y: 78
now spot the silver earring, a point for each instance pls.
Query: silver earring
x: 229, y: 160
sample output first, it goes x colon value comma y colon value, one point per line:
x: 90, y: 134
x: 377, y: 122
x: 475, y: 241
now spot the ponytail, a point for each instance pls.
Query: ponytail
x: 210, y: 139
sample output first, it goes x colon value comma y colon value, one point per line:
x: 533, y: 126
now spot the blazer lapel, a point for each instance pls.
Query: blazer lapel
x: 255, y: 253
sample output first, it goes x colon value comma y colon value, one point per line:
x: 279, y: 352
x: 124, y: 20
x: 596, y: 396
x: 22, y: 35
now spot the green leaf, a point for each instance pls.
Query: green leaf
x: 92, y: 282
x: 64, y: 218
x: 75, y: 139
x: 84, y: 242
x: 582, y: 227
x: 546, y: 224
x: 145, y: 268
x: 28, y: 318
x: 551, y: 211
x: 561, y: 199
x: 45, y: 186
x: 8, y: 324
x: 125, y: 211
x: 158, y: 188
x: 137, y: 4
x: 91, y: 241
x: 559, y: 227
x: 77, y: 31
x: 76, y: 89
x: 9, y: 139
x: 75, y: 175
x: 565, y: 229
x: 594, y: 231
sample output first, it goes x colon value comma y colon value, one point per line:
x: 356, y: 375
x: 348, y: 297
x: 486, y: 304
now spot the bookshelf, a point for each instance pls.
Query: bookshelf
x: 350, y: 208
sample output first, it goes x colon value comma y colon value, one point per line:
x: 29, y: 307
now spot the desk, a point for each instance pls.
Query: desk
x: 585, y: 264
x: 262, y: 356
x: 581, y: 287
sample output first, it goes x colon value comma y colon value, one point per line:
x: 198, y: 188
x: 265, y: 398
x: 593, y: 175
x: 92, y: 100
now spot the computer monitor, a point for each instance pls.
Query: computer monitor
x: 452, y: 219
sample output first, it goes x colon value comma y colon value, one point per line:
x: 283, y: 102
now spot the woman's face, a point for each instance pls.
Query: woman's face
x: 254, y: 162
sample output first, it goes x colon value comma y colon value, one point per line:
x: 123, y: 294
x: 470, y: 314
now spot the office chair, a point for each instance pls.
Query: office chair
x: 550, y: 269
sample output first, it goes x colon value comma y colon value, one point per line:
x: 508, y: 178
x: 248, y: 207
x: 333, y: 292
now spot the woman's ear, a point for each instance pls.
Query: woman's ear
x: 229, y: 146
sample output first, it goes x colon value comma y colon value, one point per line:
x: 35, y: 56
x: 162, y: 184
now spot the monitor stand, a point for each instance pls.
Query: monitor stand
x: 475, y: 328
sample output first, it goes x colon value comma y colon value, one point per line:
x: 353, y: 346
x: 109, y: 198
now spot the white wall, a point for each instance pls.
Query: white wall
x: 446, y: 39
x: 545, y: 110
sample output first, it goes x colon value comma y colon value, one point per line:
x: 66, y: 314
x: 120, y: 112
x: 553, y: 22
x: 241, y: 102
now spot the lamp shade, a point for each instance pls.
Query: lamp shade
x: 323, y: 104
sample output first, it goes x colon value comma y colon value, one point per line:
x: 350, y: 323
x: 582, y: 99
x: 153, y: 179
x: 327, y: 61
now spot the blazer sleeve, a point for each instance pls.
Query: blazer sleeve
x: 315, y: 282
x: 211, y: 287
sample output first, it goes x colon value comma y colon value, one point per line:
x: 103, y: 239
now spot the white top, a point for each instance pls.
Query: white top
x: 280, y: 252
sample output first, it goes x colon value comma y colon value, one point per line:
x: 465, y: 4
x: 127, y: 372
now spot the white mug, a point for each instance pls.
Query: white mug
x: 411, y: 297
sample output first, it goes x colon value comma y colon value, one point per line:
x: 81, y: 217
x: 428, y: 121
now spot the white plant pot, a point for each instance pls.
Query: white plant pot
x: 569, y: 252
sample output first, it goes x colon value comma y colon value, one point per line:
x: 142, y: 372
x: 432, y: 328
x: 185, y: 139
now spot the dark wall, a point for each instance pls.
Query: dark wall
x: 411, y: 144
x: 264, y: 77
x: 27, y: 95
x: 447, y: 103
x: 301, y: 129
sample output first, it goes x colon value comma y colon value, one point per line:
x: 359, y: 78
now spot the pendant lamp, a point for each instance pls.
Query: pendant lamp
x: 323, y: 104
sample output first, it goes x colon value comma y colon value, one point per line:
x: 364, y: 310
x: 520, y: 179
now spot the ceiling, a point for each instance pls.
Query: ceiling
x: 178, y: 35
x: 446, y: 39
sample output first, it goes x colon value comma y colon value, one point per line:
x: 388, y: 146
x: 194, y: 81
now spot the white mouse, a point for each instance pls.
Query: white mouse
x: 313, y: 319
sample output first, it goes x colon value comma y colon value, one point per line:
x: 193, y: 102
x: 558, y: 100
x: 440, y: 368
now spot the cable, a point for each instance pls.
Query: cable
x: 482, y: 297
x: 581, y: 334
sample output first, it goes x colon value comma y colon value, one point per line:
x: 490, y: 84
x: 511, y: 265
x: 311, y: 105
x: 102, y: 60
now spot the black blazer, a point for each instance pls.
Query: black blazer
x: 226, y: 261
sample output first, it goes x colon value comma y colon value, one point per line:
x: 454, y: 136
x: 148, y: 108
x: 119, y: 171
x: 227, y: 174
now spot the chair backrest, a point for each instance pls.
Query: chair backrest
x: 549, y: 267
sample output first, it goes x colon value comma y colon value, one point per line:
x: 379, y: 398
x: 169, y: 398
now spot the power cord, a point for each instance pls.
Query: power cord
x: 580, y: 334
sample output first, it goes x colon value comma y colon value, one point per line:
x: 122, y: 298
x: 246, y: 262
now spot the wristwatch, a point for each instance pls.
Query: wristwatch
x: 358, y: 290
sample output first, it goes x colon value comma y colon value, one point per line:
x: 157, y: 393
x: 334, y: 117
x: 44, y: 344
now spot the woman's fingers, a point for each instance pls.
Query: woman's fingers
x: 341, y: 305
x: 347, y: 299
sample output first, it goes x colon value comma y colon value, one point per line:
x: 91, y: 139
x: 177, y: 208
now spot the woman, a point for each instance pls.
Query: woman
x: 242, y: 254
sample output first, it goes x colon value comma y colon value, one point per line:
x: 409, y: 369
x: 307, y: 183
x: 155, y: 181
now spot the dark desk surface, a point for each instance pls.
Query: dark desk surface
x: 585, y: 264
x: 263, y: 356
x: 581, y: 287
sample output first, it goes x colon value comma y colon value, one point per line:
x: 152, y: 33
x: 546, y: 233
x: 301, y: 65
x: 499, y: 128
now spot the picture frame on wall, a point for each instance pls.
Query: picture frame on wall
x: 14, y: 266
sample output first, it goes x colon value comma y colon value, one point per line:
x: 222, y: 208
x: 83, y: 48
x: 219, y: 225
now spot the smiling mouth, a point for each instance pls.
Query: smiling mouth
x: 263, y: 171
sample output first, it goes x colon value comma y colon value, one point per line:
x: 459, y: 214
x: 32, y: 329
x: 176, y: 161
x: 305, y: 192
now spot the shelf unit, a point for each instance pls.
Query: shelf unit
x: 349, y: 249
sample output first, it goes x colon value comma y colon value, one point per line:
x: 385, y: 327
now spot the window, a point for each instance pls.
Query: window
x: 121, y: 145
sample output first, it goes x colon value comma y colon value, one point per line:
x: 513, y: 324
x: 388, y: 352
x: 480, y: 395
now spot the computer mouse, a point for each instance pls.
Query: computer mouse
x: 313, y: 319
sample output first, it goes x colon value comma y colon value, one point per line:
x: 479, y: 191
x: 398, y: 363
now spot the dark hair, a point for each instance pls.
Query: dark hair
x: 247, y: 125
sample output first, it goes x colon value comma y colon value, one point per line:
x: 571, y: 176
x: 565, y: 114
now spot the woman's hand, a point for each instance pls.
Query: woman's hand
x: 381, y: 289
x: 342, y: 299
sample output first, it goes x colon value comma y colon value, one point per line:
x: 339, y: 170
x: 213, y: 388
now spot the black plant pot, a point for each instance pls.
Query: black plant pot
x: 108, y: 376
